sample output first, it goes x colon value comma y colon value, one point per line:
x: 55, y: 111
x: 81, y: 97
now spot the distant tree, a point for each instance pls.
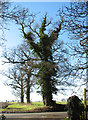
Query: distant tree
x: 16, y: 81
x: 24, y: 64
x: 28, y: 69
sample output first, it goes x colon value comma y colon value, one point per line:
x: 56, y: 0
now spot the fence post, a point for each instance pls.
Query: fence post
x: 86, y: 106
x: 84, y: 103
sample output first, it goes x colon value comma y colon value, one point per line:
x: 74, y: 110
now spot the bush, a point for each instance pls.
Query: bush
x: 74, y: 107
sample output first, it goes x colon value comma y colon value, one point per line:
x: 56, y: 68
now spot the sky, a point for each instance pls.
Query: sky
x: 41, y: 0
x: 34, y: 7
x: 14, y: 38
x: 49, y: 0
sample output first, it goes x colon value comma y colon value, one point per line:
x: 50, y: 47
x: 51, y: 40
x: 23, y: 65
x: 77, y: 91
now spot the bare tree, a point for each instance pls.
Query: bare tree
x: 16, y: 80
x: 7, y: 12
x: 21, y: 58
x: 28, y: 69
x: 76, y: 23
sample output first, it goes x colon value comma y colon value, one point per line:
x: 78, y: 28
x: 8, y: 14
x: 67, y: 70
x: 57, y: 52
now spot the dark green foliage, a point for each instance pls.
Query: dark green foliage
x: 74, y: 106
x: 43, y: 26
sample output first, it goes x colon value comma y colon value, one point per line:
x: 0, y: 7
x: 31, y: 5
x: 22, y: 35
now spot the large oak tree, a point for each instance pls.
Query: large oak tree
x: 43, y: 44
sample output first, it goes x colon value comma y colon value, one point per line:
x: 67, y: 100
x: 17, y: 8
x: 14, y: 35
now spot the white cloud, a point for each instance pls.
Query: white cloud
x: 5, y: 93
x: 35, y: 97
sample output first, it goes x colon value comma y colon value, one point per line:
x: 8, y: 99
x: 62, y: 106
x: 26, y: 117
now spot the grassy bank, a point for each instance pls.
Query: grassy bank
x: 31, y: 107
x: 22, y: 106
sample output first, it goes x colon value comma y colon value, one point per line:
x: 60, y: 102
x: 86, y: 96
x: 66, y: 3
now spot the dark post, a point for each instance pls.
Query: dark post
x: 84, y: 103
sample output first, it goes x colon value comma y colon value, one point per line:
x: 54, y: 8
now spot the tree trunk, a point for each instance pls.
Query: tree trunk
x: 22, y: 96
x: 28, y: 89
x: 46, y: 72
x: 47, y: 94
x: 28, y: 94
x: 22, y: 99
x: 22, y: 92
x: 47, y: 100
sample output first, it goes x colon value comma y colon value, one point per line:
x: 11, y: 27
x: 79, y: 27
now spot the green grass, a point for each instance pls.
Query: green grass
x: 64, y: 102
x: 38, y: 103
x: 23, y: 106
x: 14, y: 107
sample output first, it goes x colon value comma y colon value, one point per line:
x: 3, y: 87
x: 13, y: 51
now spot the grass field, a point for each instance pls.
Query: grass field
x: 64, y: 102
x: 22, y: 106
x: 14, y: 107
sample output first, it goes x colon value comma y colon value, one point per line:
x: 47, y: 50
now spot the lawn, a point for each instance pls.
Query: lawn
x: 64, y: 102
x: 24, y: 107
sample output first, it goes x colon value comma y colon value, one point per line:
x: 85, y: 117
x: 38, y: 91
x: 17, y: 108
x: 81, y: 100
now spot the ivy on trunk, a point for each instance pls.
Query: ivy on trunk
x: 47, y: 67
